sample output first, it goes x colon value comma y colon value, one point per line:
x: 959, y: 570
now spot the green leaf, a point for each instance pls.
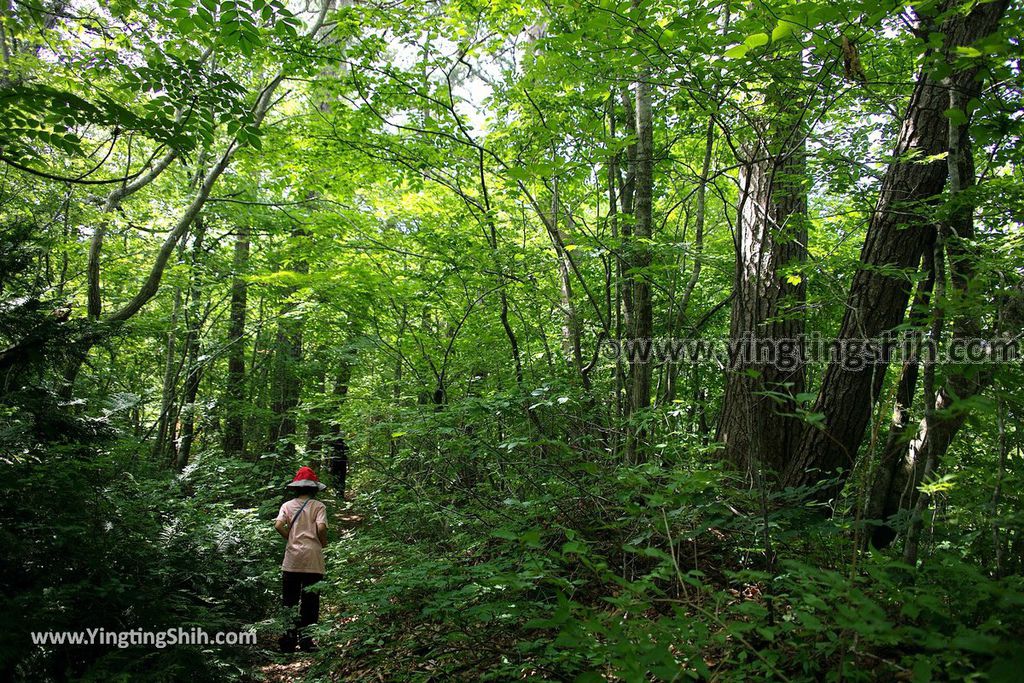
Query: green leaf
x: 956, y: 116
x: 531, y: 538
x: 756, y: 40
x: 968, y: 52
x: 782, y: 30
x: 737, y: 51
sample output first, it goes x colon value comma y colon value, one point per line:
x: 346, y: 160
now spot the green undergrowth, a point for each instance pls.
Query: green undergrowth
x: 653, y: 574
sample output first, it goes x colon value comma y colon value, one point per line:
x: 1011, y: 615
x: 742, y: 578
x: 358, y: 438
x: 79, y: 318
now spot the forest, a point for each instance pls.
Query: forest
x: 630, y: 340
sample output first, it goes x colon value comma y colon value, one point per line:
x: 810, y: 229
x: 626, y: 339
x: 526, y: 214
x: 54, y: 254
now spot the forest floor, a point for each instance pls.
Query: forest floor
x: 285, y: 668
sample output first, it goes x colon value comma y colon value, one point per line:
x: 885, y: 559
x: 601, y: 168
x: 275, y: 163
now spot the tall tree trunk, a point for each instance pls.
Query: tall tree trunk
x: 899, y: 227
x: 926, y: 451
x: 890, y: 477
x: 998, y: 548
x: 315, y: 413
x: 626, y: 195
x: 929, y: 391
x: 491, y: 232
x: 194, y: 319
x: 756, y: 424
x: 571, y: 344
x: 615, y: 279
x: 699, y: 220
x: 396, y: 377
x: 641, y: 328
x: 235, y: 390
x: 285, y: 384
x: 165, y: 422
x: 338, y: 454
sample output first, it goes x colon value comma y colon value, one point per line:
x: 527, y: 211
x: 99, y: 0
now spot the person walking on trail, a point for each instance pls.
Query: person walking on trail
x: 302, y: 522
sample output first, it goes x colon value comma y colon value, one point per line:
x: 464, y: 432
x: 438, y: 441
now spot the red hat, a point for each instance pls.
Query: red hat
x: 305, y: 478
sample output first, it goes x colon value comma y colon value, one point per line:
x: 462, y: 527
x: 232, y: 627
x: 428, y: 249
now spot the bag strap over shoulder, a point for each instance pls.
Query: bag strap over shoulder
x: 292, y: 524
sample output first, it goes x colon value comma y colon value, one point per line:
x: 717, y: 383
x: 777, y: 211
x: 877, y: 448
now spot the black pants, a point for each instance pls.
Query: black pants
x: 293, y: 585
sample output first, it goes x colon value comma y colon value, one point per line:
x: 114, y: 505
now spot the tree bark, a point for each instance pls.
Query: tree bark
x: 338, y: 454
x: 194, y: 319
x: 930, y: 420
x: 315, y: 413
x: 699, y: 220
x: 571, y: 346
x: 925, y: 453
x: 286, y: 383
x: 614, y: 284
x: 113, y: 201
x: 641, y: 324
x: 757, y: 424
x: 235, y: 390
x: 898, y: 229
x: 165, y: 423
x: 889, y: 478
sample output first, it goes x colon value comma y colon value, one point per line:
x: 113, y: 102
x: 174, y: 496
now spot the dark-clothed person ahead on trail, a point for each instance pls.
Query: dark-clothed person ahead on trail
x: 302, y: 521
